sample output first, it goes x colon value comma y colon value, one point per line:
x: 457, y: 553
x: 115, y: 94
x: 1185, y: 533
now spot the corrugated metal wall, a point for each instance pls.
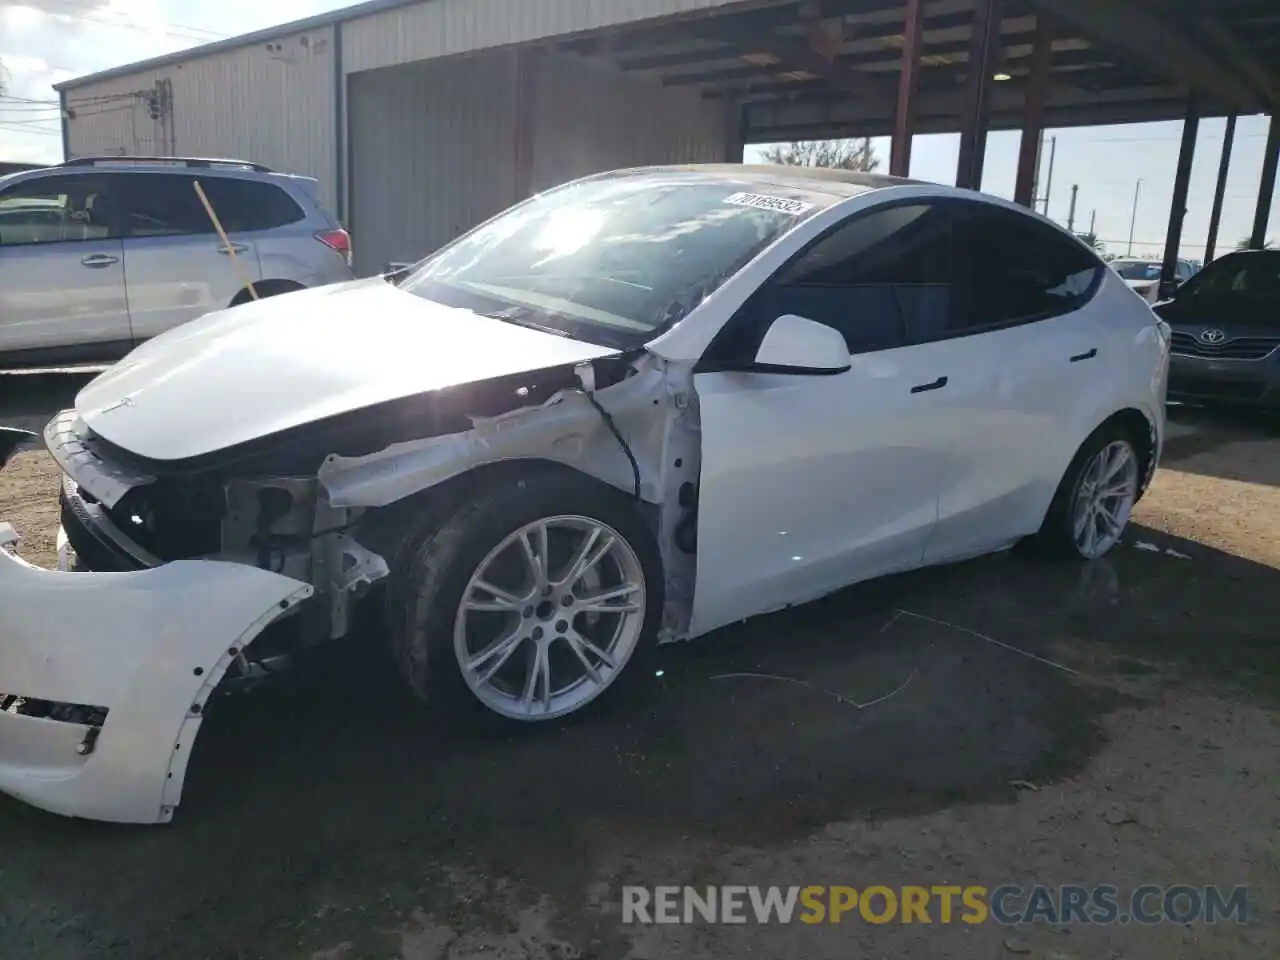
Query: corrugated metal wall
x: 273, y: 106
x: 590, y: 119
x: 432, y: 153
x: 433, y: 145
x: 439, y: 28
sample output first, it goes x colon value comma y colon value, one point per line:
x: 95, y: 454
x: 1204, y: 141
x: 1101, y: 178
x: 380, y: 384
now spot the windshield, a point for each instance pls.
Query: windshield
x: 1137, y: 270
x: 614, y: 260
x: 1247, y: 279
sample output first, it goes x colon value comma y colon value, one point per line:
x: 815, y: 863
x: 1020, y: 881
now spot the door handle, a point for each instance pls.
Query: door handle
x: 926, y: 387
x: 99, y: 260
x: 1085, y: 356
x: 237, y: 247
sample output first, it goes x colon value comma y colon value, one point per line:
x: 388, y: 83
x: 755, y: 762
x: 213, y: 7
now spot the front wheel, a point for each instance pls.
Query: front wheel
x: 531, y: 605
x: 1094, y: 502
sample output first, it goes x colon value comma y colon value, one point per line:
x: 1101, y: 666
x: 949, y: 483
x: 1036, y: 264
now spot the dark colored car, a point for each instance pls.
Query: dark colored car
x: 1226, y: 331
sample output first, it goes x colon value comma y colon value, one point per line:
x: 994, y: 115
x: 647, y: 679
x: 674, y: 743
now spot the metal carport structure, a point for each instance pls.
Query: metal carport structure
x: 421, y: 117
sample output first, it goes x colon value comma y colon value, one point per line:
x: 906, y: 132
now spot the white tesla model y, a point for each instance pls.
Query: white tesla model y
x: 631, y: 409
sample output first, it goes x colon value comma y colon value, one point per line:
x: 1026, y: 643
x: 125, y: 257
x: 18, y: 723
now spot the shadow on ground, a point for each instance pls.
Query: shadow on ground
x: 326, y: 809
x: 28, y: 400
x: 1198, y: 436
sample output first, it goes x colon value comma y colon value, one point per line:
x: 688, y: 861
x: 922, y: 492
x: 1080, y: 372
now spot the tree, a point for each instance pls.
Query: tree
x: 837, y: 154
x: 1092, y: 240
x: 1246, y: 243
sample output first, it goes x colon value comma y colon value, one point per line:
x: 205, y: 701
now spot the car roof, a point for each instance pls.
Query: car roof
x: 842, y: 183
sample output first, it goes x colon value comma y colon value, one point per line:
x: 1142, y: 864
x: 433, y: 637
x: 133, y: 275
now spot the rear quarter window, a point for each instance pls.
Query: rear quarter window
x: 247, y: 205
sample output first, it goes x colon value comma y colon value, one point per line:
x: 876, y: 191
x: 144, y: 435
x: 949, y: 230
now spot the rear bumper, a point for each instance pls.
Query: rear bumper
x: 104, y: 676
x: 1252, y: 382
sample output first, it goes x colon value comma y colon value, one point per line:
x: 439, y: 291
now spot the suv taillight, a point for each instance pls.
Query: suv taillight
x: 338, y: 240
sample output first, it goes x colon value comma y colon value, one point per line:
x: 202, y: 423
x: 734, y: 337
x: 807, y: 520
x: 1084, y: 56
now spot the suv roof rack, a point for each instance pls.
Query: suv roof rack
x: 202, y: 162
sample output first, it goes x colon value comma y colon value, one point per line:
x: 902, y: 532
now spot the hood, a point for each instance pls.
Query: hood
x: 256, y: 370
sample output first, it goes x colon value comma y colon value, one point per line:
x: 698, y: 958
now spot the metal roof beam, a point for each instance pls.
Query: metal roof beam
x: 800, y: 56
x: 1258, y: 76
x: 1156, y: 42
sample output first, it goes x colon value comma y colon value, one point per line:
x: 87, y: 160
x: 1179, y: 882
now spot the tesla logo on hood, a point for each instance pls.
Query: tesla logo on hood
x: 122, y: 402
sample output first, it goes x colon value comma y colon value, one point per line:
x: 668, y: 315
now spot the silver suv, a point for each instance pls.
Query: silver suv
x: 101, y: 253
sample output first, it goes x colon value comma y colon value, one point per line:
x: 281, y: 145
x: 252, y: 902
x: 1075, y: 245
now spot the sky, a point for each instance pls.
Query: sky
x: 45, y: 41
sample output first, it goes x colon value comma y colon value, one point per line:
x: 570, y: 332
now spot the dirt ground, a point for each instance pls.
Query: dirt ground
x: 323, y: 820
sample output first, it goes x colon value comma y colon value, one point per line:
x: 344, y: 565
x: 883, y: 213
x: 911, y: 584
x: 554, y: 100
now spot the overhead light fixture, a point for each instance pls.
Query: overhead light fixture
x: 1002, y: 76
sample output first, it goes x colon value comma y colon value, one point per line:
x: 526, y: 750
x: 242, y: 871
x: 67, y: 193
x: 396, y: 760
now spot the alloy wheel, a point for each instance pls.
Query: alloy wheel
x: 1105, y: 495
x: 550, y: 617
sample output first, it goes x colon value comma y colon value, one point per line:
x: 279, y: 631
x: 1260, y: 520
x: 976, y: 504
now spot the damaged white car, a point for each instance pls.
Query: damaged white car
x: 632, y: 409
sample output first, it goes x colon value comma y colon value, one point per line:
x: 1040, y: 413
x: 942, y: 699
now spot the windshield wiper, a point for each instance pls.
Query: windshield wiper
x: 520, y: 316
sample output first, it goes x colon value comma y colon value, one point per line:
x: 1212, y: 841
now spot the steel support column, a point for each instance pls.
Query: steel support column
x: 1178, y: 208
x: 908, y: 82
x: 1220, y: 192
x: 734, y: 129
x: 1033, y: 114
x: 1267, y: 188
x: 983, y: 54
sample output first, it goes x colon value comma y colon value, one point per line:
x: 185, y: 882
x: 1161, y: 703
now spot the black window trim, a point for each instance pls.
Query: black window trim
x: 115, y: 228
x: 718, y: 356
x: 129, y: 185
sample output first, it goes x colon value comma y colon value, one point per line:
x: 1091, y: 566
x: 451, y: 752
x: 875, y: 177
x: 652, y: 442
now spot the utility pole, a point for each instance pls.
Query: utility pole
x: 1133, y: 217
x: 1093, y: 222
x: 1048, y: 183
x: 1071, y: 212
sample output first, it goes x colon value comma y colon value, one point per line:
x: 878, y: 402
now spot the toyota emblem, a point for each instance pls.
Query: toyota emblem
x: 1212, y: 336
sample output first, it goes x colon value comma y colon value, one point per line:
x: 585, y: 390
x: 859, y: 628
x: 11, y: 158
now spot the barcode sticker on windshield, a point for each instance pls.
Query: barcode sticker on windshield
x: 762, y: 202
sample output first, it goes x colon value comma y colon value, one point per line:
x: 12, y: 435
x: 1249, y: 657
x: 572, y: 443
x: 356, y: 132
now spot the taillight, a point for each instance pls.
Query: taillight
x: 337, y: 240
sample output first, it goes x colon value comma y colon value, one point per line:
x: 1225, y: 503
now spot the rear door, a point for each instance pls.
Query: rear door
x: 1026, y: 360
x: 809, y: 483
x: 176, y: 266
x: 61, y: 266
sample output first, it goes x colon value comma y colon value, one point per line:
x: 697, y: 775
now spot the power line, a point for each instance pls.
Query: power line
x: 1239, y: 136
x: 169, y: 29
x: 18, y: 99
x: 38, y: 131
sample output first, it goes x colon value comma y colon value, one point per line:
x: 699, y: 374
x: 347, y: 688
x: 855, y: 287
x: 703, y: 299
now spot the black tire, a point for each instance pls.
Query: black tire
x: 1056, y: 537
x: 433, y: 565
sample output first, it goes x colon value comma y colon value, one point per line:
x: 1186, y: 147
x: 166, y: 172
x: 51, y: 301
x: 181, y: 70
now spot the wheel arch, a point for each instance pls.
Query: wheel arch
x: 382, y: 527
x: 1141, y: 430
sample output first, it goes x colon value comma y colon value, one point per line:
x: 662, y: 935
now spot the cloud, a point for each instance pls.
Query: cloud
x: 43, y: 42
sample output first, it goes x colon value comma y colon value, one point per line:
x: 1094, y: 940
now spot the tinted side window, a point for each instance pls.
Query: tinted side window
x: 164, y: 205
x: 1017, y: 269
x: 877, y: 279
x: 57, y: 210
x: 244, y: 205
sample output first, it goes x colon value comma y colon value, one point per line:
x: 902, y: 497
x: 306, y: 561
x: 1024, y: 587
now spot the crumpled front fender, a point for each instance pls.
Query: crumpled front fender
x: 148, y: 647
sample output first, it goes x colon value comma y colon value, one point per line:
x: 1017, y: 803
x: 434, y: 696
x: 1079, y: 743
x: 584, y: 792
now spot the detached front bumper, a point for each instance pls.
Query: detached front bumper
x: 104, y: 676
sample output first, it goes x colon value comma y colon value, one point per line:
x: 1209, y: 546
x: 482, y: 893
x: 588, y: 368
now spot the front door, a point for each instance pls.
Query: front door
x: 62, y: 283
x: 177, y: 266
x: 810, y: 483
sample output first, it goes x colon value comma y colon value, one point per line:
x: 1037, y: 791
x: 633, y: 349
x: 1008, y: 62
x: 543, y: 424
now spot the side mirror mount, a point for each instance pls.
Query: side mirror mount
x: 796, y: 345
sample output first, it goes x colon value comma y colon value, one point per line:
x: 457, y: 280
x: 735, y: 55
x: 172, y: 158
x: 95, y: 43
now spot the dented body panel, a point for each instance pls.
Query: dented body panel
x: 105, y: 677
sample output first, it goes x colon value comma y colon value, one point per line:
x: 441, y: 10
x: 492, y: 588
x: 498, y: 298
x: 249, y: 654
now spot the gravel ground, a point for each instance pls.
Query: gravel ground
x: 323, y: 820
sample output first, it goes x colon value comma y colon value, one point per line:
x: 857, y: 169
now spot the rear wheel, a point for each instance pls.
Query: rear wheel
x: 1095, y: 499
x: 531, y: 606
